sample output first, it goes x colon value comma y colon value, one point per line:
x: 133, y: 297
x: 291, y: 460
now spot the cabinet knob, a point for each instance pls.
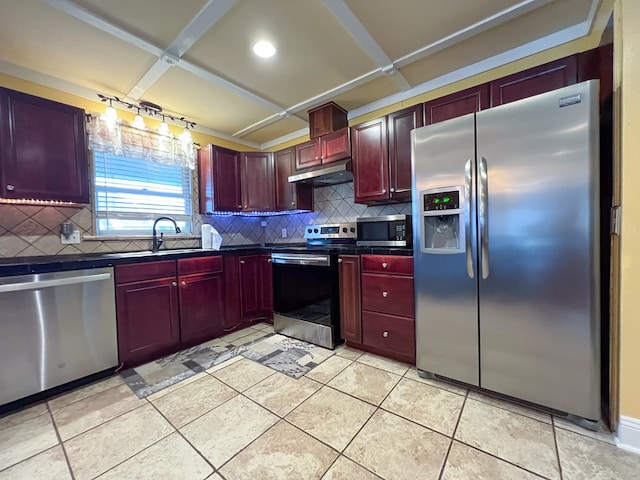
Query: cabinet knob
x: 317, y: 158
x: 384, y: 190
x: 293, y: 204
x: 174, y: 284
x: 11, y: 188
x: 239, y: 206
x: 242, y: 262
x: 183, y: 283
x: 269, y: 260
x: 246, y: 206
x: 339, y: 260
x: 321, y: 157
x: 385, y: 264
x: 385, y: 334
x: 385, y: 294
x: 392, y: 189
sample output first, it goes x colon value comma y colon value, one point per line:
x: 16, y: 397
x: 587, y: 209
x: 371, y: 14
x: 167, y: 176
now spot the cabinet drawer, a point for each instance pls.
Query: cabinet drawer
x: 387, y: 264
x: 145, y: 271
x: 199, y: 265
x: 388, y: 294
x: 389, y: 332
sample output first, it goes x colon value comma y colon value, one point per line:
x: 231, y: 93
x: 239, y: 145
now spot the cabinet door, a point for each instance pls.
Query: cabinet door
x: 205, y: 179
x: 266, y: 280
x: 533, y: 81
x: 257, y: 181
x: 390, y: 333
x: 308, y: 154
x: 289, y: 196
x: 350, y: 305
x: 335, y: 146
x: 400, y: 125
x: 201, y: 307
x: 457, y: 104
x: 370, y: 161
x: 147, y: 318
x: 326, y: 118
x: 43, y: 150
x: 250, y: 286
x: 227, y: 193
x: 392, y: 294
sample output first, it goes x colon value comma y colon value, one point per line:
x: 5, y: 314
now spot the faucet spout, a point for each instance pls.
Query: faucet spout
x: 156, y: 242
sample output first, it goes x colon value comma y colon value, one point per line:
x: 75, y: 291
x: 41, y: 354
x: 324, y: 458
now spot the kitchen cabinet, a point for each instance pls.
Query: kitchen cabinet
x: 43, y: 149
x: 350, y: 302
x: 248, y: 290
x: 219, y: 176
x: 381, y: 151
x: 324, y: 150
x: 147, y: 311
x: 326, y: 118
x: 289, y: 196
x: 256, y: 174
x: 388, y: 313
x: 201, y: 298
x: 598, y: 64
x: 533, y: 81
x: 167, y: 305
x: 457, y: 104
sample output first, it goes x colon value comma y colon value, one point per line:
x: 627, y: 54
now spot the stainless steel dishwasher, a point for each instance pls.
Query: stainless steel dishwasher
x: 55, y: 328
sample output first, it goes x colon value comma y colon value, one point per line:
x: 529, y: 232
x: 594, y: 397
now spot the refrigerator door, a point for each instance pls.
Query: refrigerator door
x: 538, y: 194
x: 446, y: 298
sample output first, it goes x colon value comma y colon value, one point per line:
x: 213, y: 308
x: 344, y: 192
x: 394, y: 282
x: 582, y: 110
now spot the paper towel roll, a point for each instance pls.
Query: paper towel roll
x: 206, y: 235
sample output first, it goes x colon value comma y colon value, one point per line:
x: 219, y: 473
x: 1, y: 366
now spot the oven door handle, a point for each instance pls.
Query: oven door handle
x: 313, y: 260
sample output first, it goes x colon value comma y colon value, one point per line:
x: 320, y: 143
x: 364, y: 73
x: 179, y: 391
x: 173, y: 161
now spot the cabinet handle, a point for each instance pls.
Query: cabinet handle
x: 384, y: 190
x: 242, y: 262
x: 11, y: 188
x: 385, y: 334
x: 174, y: 284
x: 392, y: 189
x: 385, y: 264
x: 339, y: 260
x: 385, y: 294
x: 183, y: 283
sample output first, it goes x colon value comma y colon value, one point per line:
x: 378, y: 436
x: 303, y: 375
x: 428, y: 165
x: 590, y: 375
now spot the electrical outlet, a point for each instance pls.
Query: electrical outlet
x: 284, y: 233
x: 263, y: 223
x: 73, y: 238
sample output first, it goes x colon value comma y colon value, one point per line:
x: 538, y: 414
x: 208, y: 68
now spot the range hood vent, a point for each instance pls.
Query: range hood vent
x: 332, y: 174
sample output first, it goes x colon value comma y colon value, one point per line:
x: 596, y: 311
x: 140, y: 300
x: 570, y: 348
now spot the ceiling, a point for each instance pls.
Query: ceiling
x: 193, y: 57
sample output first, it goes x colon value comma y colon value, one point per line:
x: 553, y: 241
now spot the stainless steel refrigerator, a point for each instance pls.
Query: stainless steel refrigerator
x: 506, y: 249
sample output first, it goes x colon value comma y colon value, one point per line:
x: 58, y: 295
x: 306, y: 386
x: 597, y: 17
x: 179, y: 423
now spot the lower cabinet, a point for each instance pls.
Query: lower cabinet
x: 377, y: 304
x: 164, y: 306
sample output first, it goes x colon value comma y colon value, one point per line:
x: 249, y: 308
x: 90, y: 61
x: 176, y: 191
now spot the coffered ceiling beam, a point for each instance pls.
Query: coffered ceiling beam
x: 94, y: 20
x: 354, y: 27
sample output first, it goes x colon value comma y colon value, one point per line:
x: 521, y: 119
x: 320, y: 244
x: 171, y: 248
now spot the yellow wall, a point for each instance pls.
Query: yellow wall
x: 90, y: 106
x: 627, y: 38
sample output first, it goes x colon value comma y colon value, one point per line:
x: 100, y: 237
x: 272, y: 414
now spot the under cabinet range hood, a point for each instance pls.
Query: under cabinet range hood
x: 322, y: 175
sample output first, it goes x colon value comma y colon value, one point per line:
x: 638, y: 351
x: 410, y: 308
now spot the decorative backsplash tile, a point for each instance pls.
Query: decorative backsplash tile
x: 28, y: 230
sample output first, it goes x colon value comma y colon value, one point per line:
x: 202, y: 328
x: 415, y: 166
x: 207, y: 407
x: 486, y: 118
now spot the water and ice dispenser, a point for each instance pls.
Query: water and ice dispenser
x: 443, y: 221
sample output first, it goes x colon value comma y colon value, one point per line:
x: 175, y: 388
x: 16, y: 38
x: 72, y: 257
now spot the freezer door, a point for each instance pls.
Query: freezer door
x: 445, y: 283
x: 538, y: 191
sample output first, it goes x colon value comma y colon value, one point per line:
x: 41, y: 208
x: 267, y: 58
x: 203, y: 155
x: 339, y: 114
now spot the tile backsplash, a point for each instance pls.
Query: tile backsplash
x: 27, y: 230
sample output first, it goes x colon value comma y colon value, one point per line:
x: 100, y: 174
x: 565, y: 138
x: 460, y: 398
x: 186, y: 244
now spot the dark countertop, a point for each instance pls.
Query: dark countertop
x: 56, y: 263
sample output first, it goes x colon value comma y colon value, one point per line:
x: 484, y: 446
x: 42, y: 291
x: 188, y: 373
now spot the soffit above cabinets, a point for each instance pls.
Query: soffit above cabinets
x: 193, y: 56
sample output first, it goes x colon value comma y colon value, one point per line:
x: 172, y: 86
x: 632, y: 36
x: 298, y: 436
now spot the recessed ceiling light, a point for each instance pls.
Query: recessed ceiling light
x: 264, y: 49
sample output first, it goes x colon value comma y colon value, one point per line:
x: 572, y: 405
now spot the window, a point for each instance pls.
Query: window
x: 131, y: 193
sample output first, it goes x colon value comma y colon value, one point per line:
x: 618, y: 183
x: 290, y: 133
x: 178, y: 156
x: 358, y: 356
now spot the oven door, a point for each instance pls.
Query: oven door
x: 305, y: 297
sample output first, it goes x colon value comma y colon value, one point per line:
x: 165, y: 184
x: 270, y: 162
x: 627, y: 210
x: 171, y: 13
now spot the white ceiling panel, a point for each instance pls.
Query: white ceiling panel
x: 314, y: 52
x: 276, y: 130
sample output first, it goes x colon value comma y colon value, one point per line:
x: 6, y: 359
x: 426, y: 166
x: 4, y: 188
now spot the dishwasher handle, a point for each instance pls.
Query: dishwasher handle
x: 38, y: 284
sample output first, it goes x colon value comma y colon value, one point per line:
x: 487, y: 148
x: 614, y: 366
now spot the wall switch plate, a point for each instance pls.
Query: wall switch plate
x: 73, y: 238
x: 284, y: 233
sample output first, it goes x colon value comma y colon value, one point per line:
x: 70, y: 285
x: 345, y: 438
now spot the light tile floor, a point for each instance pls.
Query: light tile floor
x: 355, y: 416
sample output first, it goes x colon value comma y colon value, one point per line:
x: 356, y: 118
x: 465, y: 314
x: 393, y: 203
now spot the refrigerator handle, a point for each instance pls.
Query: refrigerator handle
x: 483, y: 220
x: 468, y: 182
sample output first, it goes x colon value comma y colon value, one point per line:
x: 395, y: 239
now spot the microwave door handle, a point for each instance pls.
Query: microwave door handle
x: 468, y: 182
x: 483, y: 217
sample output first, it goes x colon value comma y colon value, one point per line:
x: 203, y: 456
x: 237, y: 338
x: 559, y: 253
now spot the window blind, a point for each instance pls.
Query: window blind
x: 131, y: 193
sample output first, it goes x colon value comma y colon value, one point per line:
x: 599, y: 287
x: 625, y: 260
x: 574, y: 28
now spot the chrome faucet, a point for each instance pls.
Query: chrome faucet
x: 155, y: 246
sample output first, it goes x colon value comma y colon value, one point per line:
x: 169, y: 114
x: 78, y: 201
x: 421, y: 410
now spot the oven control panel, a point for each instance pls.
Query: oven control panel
x: 331, y: 231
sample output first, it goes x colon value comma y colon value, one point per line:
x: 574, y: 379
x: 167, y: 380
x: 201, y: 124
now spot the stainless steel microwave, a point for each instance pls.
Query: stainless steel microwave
x: 387, y: 231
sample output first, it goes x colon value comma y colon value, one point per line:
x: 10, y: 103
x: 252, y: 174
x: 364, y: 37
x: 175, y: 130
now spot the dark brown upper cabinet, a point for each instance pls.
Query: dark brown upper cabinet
x: 381, y: 152
x: 43, y: 149
x: 457, y: 104
x: 256, y: 174
x: 325, y: 149
x: 289, y: 196
x: 220, y: 184
x: 326, y: 118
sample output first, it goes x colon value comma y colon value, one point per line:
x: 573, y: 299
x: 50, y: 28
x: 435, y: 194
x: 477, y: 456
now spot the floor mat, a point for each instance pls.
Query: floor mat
x: 286, y: 355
